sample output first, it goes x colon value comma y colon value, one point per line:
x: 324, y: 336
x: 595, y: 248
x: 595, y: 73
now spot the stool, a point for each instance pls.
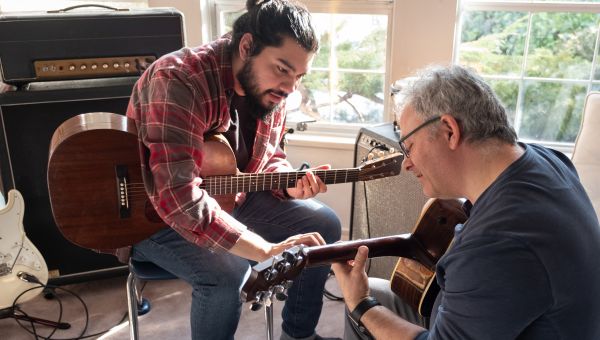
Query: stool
x: 136, y: 304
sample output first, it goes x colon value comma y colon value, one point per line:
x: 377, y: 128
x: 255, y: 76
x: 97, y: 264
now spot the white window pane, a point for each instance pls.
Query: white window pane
x: 539, y: 60
x: 561, y: 45
x: 552, y: 111
x: 493, y: 42
x: 347, y: 81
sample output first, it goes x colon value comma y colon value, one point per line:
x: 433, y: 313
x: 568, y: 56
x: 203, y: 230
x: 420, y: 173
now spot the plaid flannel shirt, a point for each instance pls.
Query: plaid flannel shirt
x: 176, y: 102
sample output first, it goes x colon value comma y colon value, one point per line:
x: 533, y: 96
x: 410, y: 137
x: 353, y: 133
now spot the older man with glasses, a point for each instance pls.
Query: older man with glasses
x: 524, y: 263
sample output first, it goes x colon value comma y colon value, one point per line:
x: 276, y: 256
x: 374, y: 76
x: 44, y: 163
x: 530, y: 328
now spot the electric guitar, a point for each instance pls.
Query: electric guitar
x: 19, y: 258
x: 413, y: 279
x: 96, y: 186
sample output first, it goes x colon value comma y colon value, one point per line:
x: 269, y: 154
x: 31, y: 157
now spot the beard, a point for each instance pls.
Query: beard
x: 247, y: 78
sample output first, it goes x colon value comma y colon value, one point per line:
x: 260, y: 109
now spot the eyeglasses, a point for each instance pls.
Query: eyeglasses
x: 405, y: 150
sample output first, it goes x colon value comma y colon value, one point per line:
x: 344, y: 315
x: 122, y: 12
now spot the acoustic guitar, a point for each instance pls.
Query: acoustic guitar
x: 413, y: 278
x: 19, y: 258
x: 96, y: 187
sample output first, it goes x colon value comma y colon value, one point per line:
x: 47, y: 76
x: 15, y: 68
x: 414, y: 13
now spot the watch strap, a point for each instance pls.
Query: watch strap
x: 363, y: 306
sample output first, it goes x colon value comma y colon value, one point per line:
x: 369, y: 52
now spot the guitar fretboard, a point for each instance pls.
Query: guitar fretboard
x: 223, y: 185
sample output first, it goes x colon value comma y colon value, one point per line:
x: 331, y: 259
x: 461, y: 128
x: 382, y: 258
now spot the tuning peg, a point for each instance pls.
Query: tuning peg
x: 270, y: 274
x: 258, y: 301
x: 280, y: 292
x: 254, y: 306
x: 288, y: 256
x: 284, y: 266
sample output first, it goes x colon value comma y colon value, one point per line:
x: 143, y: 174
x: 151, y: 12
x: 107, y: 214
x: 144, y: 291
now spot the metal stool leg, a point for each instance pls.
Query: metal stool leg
x: 269, y: 321
x: 132, y: 303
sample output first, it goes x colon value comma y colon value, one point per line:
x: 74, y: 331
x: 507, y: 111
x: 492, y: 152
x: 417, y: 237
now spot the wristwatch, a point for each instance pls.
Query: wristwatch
x: 360, y: 309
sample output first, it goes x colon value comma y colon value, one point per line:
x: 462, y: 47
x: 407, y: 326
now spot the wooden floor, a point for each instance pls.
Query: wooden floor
x: 106, y: 304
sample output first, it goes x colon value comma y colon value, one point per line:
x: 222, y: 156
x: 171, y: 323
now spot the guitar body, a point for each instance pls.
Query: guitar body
x: 414, y: 281
x: 95, y: 181
x: 17, y: 254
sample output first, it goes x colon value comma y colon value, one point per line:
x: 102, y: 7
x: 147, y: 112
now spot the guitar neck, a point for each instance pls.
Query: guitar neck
x: 222, y: 185
x: 399, y: 245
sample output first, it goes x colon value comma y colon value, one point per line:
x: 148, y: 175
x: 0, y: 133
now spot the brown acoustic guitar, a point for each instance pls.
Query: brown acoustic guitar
x: 413, y: 278
x: 96, y: 188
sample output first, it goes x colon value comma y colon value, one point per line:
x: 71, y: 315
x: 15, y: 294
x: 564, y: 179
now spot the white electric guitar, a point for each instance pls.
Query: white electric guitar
x: 19, y: 258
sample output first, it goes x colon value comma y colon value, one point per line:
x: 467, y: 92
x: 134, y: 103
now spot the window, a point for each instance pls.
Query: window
x: 540, y: 57
x: 348, y: 82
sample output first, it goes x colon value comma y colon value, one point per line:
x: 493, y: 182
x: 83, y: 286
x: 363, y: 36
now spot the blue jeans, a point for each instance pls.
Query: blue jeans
x: 217, y: 278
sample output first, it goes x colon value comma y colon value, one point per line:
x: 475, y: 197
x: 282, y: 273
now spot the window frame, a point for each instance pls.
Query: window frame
x: 530, y: 7
x: 379, y: 7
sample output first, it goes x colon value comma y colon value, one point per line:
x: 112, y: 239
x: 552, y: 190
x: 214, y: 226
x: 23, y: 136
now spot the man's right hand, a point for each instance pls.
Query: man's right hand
x: 309, y: 239
x: 254, y: 247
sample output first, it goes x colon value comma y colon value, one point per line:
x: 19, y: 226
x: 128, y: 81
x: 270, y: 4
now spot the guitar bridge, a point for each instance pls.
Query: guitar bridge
x: 123, y: 195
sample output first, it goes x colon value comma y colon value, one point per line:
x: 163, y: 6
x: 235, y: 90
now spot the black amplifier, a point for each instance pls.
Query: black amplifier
x: 385, y: 206
x: 85, y: 43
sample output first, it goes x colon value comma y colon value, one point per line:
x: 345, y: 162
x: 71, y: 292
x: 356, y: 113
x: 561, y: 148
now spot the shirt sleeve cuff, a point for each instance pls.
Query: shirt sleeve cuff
x: 231, y: 228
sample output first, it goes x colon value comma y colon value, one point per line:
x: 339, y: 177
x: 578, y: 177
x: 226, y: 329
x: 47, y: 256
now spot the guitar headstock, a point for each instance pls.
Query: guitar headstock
x: 389, y: 165
x: 273, y: 277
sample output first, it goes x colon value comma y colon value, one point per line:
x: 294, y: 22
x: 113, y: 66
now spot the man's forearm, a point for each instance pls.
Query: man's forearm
x: 384, y: 324
x: 251, y: 246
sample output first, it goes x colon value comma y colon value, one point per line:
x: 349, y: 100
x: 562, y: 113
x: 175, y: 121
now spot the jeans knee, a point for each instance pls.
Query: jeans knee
x: 330, y: 226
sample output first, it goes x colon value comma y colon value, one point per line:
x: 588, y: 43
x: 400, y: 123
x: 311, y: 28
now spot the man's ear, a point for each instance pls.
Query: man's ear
x: 451, y: 131
x: 245, y: 47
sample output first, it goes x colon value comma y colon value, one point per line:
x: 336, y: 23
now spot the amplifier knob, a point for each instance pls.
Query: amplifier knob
x: 126, y: 65
x: 83, y: 67
x: 392, y: 150
x: 370, y: 156
x: 116, y: 65
x: 72, y: 67
x: 104, y: 66
x: 94, y: 66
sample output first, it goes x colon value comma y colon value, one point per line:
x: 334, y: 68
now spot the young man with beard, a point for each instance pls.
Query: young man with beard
x: 235, y: 86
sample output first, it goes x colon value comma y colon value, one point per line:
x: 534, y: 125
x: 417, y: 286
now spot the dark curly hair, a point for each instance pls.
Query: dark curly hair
x: 269, y: 21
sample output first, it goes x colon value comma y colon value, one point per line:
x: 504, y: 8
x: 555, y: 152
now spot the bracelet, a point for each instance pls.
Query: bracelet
x: 360, y: 309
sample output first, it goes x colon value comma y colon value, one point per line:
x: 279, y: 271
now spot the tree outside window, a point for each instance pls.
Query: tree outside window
x: 540, y: 58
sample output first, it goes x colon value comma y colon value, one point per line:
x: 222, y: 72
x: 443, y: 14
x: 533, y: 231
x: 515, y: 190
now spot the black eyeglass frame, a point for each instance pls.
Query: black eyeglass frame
x: 424, y: 124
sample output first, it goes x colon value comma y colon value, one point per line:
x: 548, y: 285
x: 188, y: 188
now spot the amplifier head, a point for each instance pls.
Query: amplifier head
x: 387, y: 206
x: 85, y: 44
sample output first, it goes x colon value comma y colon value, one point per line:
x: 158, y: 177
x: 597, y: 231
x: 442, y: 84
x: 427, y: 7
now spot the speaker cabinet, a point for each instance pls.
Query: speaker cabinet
x: 28, y: 120
x: 387, y: 206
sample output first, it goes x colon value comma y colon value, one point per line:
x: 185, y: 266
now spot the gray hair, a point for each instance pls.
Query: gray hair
x: 460, y: 92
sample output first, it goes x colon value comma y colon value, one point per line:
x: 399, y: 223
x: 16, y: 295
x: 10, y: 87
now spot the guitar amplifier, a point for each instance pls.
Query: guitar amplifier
x: 27, y: 121
x: 83, y: 43
x: 387, y: 206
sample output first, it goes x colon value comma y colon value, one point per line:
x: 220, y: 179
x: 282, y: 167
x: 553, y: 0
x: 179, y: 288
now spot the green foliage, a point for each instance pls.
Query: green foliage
x: 561, y: 46
x: 351, y: 56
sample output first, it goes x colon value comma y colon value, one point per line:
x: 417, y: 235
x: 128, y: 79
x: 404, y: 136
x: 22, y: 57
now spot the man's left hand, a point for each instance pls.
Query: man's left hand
x: 309, y: 185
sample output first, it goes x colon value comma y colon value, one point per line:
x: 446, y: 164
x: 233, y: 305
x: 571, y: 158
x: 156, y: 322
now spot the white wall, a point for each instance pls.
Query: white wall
x: 192, y: 12
x: 423, y: 33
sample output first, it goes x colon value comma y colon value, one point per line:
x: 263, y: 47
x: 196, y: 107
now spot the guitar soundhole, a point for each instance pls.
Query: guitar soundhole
x: 442, y: 220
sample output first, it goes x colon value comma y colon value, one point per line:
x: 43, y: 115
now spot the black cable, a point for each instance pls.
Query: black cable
x: 33, y: 331
x: 60, y: 315
x: 329, y: 295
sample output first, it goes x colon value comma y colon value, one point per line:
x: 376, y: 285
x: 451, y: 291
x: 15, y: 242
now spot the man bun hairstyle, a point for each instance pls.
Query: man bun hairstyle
x: 269, y: 21
x: 460, y: 92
